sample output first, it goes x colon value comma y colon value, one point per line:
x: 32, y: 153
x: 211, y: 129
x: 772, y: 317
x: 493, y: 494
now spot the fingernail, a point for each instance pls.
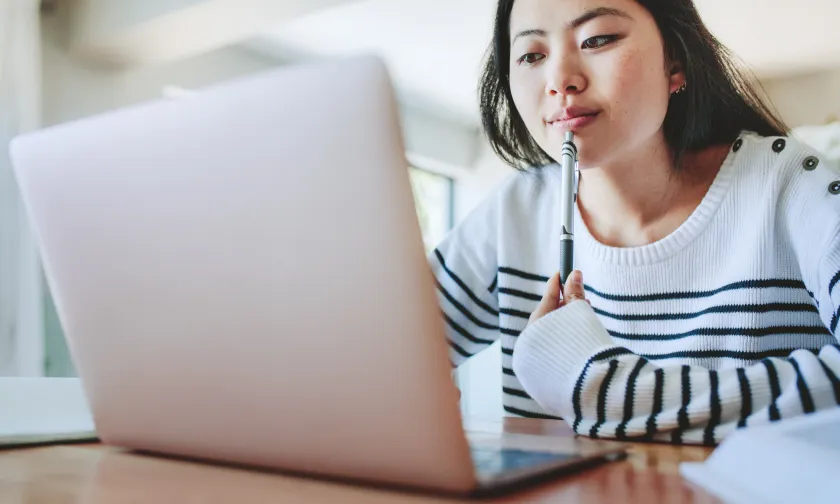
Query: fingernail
x: 577, y: 276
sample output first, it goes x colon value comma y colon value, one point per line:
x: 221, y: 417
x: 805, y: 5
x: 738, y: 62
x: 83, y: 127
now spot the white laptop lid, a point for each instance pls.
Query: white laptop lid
x: 240, y: 276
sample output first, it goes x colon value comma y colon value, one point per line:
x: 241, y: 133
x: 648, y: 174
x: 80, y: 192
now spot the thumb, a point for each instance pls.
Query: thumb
x: 573, y: 290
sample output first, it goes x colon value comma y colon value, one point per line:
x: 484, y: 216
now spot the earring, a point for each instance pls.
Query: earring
x: 680, y: 89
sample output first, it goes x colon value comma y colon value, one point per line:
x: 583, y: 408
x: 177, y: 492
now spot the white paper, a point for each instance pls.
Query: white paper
x: 791, y: 461
x: 39, y: 410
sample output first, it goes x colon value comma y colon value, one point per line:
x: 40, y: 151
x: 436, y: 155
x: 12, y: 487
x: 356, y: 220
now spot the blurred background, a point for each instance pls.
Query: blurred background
x: 62, y: 60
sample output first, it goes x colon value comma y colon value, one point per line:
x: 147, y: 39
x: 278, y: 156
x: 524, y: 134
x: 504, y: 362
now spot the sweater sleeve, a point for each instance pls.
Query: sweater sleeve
x: 465, y: 268
x: 809, y: 216
x: 569, y: 364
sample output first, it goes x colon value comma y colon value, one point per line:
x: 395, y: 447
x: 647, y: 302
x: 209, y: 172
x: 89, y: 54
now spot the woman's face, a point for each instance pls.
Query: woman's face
x: 595, y: 67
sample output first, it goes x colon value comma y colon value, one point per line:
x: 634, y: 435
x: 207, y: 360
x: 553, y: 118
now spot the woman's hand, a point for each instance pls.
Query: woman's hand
x: 552, y: 299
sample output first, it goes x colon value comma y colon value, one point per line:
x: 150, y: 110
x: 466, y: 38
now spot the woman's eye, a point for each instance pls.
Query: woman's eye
x: 530, y: 58
x: 599, y: 41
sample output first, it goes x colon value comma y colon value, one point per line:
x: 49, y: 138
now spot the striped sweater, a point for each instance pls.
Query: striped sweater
x: 727, y: 322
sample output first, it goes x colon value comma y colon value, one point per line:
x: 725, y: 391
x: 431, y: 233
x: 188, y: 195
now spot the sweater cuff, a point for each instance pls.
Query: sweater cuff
x: 550, y: 354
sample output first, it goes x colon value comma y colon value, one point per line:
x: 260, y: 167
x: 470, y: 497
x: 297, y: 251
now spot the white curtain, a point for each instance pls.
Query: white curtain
x: 21, y: 303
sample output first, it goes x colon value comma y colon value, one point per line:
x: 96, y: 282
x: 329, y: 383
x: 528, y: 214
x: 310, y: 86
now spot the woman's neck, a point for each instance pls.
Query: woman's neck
x: 642, y: 199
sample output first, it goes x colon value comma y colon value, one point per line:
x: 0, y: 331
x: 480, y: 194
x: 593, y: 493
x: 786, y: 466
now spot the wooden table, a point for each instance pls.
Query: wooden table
x: 93, y: 473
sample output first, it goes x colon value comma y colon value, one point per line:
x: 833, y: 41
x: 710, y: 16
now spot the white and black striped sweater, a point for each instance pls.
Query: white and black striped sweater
x: 727, y: 322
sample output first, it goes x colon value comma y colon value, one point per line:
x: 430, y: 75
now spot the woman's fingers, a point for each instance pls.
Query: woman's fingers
x: 550, y: 300
x: 573, y: 290
x: 554, y: 298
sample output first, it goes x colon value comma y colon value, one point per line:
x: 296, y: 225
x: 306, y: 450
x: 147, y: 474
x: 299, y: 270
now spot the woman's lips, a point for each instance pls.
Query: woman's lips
x: 573, y: 123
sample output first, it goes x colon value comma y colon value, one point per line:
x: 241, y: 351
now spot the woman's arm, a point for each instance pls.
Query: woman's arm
x: 469, y: 306
x: 570, y: 365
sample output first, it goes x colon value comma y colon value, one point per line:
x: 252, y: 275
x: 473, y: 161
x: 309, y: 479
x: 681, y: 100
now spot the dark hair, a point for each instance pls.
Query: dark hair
x: 718, y: 103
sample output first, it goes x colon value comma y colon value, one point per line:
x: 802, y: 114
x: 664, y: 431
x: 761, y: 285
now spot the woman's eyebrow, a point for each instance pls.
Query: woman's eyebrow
x: 578, y: 21
x: 596, y: 13
x: 528, y: 33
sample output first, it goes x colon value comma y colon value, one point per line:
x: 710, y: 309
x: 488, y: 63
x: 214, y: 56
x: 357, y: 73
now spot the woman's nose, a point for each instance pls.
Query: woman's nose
x: 564, y: 78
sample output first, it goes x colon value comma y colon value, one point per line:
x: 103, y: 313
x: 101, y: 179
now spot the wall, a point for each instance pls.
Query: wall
x: 74, y: 88
x: 810, y: 99
x: 21, y: 313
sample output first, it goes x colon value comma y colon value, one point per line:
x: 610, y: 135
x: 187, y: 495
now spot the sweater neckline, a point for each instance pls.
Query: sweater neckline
x: 678, y: 239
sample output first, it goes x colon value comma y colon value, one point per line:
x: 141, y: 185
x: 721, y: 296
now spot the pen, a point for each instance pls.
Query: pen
x: 568, y: 161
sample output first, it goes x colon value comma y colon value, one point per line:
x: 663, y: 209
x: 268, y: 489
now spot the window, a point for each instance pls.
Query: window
x: 433, y: 198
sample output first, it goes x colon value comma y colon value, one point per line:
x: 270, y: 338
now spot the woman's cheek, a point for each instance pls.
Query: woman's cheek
x: 526, y: 95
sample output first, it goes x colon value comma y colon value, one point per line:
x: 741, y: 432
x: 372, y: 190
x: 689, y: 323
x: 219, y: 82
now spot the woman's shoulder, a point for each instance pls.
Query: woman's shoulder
x: 519, y: 191
x: 525, y: 188
x: 802, y: 183
x: 783, y: 158
x: 512, y: 203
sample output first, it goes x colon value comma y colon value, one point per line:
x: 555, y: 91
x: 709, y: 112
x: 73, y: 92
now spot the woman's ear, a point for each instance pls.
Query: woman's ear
x: 677, y: 79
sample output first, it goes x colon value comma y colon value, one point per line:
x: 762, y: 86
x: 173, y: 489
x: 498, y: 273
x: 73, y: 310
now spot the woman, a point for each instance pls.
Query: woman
x: 708, y: 240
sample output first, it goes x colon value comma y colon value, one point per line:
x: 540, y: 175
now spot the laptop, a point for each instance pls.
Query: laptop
x: 241, y: 278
